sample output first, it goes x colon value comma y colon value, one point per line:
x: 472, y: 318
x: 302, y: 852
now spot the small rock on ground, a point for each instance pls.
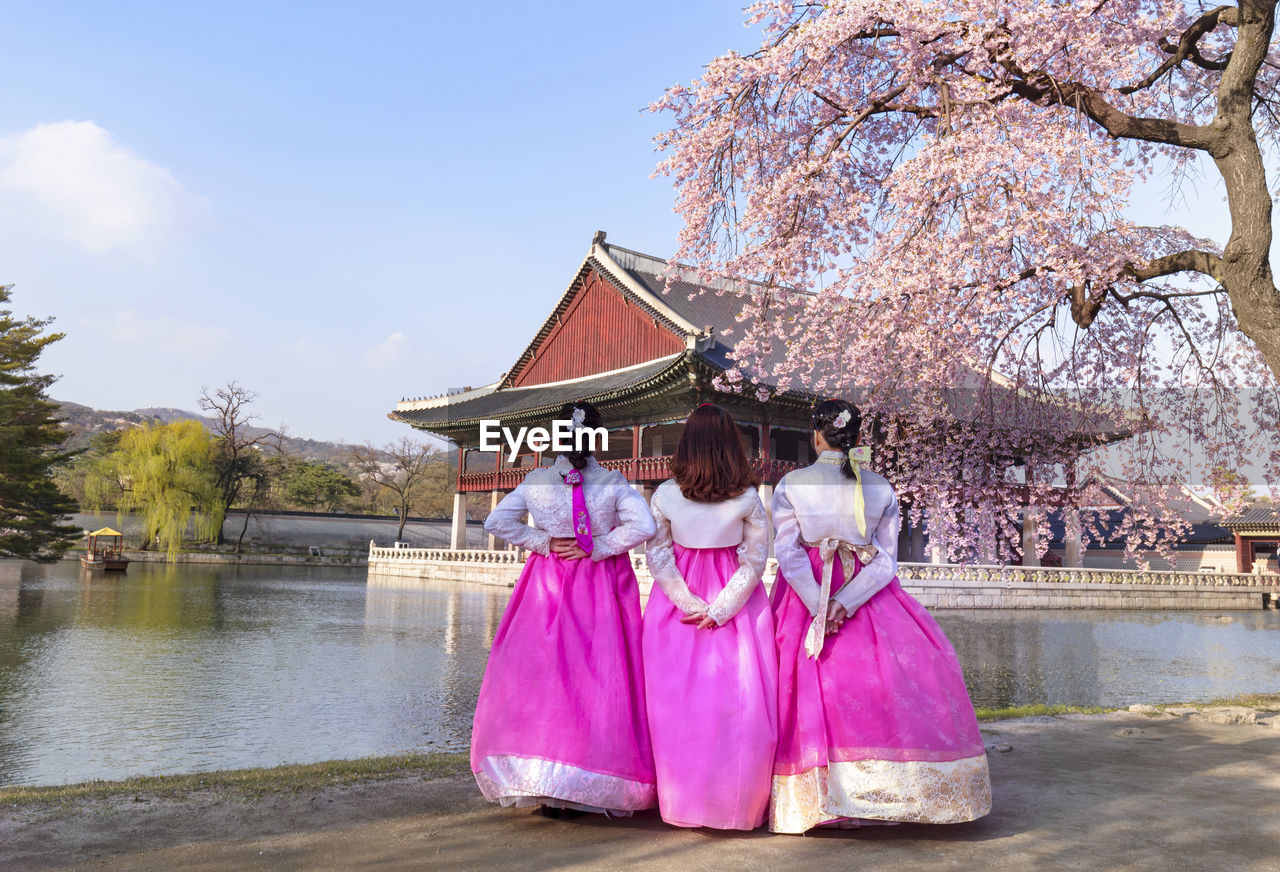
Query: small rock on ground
x: 1227, y: 715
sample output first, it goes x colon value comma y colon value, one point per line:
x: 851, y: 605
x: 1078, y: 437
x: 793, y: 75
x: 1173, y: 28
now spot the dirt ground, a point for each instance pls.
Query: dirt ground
x: 1122, y: 791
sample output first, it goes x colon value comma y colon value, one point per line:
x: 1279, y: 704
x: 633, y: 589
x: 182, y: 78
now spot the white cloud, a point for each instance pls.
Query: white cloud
x: 385, y: 353
x: 73, y: 181
x: 167, y: 334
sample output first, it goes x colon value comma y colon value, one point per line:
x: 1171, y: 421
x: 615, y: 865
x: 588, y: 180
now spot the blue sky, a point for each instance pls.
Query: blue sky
x: 335, y: 205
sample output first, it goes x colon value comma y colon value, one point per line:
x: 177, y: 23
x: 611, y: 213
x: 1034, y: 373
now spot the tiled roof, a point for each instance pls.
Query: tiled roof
x: 509, y: 402
x: 1264, y: 516
x: 716, y: 306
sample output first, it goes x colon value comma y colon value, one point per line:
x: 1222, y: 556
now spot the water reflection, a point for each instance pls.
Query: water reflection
x: 183, y: 669
x: 179, y: 669
x: 1111, y: 658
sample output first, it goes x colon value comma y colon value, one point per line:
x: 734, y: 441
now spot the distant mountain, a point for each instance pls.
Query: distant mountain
x: 82, y: 423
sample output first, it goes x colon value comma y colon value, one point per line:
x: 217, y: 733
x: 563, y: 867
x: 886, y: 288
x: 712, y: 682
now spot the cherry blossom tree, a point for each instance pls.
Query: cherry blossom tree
x: 948, y: 181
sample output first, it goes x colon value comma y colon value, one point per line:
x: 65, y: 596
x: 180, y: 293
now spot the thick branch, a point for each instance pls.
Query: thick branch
x: 1041, y: 88
x: 1085, y: 305
x: 1188, y: 46
x: 1192, y: 260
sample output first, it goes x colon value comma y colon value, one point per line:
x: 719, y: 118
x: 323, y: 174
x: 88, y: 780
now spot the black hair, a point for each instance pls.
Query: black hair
x: 839, y: 438
x: 590, y: 418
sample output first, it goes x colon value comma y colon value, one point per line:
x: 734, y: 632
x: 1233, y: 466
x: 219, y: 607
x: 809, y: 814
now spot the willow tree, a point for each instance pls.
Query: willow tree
x: 32, y: 508
x: 167, y: 473
x: 953, y: 178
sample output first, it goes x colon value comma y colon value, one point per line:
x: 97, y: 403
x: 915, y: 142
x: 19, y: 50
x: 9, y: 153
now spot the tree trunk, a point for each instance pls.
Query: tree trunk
x: 404, y: 516
x: 1246, y: 259
x: 242, y: 530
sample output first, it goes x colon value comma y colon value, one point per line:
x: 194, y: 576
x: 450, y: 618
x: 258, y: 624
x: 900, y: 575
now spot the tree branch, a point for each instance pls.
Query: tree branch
x: 1188, y: 48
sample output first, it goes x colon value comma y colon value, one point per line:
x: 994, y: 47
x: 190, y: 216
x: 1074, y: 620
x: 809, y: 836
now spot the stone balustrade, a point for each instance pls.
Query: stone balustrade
x: 936, y: 585
x: 927, y: 572
x: 410, y: 555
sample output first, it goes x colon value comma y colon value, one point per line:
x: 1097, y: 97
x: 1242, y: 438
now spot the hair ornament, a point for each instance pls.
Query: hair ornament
x: 842, y: 420
x: 578, y: 419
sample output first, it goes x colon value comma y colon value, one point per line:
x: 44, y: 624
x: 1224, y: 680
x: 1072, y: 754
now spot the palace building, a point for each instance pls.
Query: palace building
x: 645, y: 358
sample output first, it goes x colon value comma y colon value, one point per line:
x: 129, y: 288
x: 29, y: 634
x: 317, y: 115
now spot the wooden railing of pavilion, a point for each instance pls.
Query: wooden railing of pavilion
x: 636, y: 469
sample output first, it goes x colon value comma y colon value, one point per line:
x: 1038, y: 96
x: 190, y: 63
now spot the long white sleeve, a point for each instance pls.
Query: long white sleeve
x: 792, y: 556
x: 882, y: 568
x: 635, y: 524
x: 506, y: 521
x: 752, y: 553
x: 661, y: 559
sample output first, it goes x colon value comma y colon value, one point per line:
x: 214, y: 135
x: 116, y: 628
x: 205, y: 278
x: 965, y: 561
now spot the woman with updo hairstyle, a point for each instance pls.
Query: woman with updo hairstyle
x: 710, y: 664
x: 560, y: 722
x: 875, y: 722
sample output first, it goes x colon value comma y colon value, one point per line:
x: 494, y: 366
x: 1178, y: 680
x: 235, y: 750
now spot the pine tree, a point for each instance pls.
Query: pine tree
x: 32, y: 508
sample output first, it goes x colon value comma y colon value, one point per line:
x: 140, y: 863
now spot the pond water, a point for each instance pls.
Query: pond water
x: 188, y: 668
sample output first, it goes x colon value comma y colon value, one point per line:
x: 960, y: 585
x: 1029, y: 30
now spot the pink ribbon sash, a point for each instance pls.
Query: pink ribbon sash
x: 581, y: 518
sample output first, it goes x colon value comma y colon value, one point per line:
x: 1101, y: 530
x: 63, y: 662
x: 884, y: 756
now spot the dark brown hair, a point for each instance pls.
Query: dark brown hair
x: 590, y: 418
x: 839, y: 438
x: 710, y: 463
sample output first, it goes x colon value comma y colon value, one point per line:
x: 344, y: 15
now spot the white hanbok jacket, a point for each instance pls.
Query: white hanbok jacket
x: 739, y: 521
x: 620, y: 519
x: 814, y: 506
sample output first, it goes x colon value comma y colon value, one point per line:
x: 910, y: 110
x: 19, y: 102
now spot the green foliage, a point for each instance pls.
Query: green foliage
x: 168, y: 474
x: 32, y: 507
x: 312, y: 486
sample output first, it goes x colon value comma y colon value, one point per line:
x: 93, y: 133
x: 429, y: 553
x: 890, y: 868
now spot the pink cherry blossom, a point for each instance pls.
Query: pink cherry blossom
x: 931, y: 196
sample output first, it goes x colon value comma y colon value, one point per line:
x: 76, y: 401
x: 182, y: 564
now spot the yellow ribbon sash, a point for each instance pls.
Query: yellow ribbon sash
x: 857, y: 457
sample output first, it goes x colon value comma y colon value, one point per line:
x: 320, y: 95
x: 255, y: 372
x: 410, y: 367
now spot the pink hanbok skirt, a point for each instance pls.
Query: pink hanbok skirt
x: 879, y: 725
x: 712, y: 700
x: 561, y: 719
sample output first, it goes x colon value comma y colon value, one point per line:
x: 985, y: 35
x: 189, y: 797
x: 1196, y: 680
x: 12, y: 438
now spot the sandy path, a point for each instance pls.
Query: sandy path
x: 1106, y: 792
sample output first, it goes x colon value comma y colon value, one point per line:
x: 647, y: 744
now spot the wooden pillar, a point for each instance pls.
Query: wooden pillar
x: 636, y: 431
x: 1072, y: 555
x: 937, y: 544
x: 458, y: 530
x: 1030, y: 540
x: 495, y: 497
x: 1240, y: 560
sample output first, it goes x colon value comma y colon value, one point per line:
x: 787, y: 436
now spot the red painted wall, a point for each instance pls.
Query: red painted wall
x: 601, y: 330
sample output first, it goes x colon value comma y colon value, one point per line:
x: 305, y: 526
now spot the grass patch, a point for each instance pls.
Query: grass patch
x: 1261, y: 701
x: 1027, y: 711
x: 247, y: 783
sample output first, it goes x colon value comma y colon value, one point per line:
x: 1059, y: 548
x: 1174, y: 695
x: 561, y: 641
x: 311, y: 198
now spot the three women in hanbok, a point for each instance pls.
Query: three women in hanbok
x: 710, y: 662
x: 875, y: 722
x: 560, y: 720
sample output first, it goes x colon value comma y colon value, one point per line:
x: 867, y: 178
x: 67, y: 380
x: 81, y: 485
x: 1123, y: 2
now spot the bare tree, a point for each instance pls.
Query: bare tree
x: 239, y: 443
x: 400, y: 467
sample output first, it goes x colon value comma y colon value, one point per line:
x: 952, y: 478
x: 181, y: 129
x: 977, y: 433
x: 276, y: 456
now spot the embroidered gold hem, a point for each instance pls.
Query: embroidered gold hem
x: 912, y: 792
